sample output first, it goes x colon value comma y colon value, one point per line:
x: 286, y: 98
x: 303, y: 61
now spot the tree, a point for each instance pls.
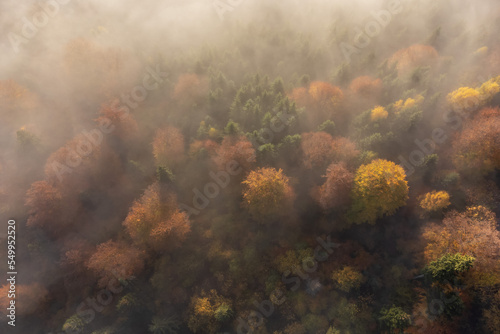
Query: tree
x: 115, y: 260
x: 446, y: 269
x: 324, y: 95
x: 472, y: 233
x: 190, y: 88
x: 320, y: 99
x: 161, y: 325
x: 380, y: 188
x: 348, y: 279
x: 168, y: 147
x: 464, y: 99
x: 435, y: 201
x: 344, y: 150
x: 334, y: 193
x: 477, y: 148
x: 267, y: 192
x: 378, y: 113
x: 316, y: 148
x: 155, y: 220
x: 413, y: 56
x: 235, y: 149
x: 395, y: 318
x: 45, y: 202
x: 208, y: 312
x: 124, y: 125
x: 366, y: 86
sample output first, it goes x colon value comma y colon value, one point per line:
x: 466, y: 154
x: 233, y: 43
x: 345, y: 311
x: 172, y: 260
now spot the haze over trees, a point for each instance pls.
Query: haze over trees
x: 286, y: 167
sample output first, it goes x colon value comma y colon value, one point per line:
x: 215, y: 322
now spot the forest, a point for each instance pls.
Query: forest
x: 234, y: 167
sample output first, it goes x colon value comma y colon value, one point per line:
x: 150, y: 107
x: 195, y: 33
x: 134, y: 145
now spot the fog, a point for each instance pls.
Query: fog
x: 152, y: 88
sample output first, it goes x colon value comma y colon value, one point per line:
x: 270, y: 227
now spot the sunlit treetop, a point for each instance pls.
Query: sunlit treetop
x: 380, y: 188
x: 378, y: 113
x: 267, y: 192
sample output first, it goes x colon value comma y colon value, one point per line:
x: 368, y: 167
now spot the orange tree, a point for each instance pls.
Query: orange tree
x: 155, y: 220
x: 380, y: 188
x: 267, y: 192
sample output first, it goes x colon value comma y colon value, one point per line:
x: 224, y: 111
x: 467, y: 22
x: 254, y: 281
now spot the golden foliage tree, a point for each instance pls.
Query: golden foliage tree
x: 347, y: 278
x: 378, y: 113
x: 155, y: 220
x: 380, y: 188
x: 435, y: 201
x: 267, y: 192
x: 208, y: 311
x: 464, y: 99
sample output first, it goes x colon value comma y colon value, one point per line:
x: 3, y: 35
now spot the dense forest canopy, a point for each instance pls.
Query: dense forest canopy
x: 230, y: 166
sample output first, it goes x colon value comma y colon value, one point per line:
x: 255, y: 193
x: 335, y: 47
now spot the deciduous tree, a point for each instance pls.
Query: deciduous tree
x: 380, y: 188
x: 267, y: 192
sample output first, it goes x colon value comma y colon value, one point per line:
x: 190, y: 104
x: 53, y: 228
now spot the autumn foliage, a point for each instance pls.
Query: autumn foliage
x: 168, y: 147
x: 413, y: 56
x: 267, y: 192
x: 334, y: 193
x: 435, y: 201
x: 380, y: 188
x: 156, y: 221
x: 320, y: 99
x: 190, y: 88
x: 45, y: 202
x: 478, y: 145
x: 474, y: 233
x: 378, y: 113
x: 234, y: 148
x: 114, y: 260
x: 366, y: 86
x: 319, y: 149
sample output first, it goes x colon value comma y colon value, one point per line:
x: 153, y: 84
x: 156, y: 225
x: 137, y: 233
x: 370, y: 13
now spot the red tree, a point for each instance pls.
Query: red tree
x: 335, y: 191
x: 237, y: 149
x: 115, y: 260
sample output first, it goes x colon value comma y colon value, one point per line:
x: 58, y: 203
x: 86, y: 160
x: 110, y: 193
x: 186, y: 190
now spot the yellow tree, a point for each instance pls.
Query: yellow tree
x: 347, y: 279
x: 208, y: 311
x: 380, y: 188
x: 267, y: 192
x: 378, y: 113
x: 435, y: 201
